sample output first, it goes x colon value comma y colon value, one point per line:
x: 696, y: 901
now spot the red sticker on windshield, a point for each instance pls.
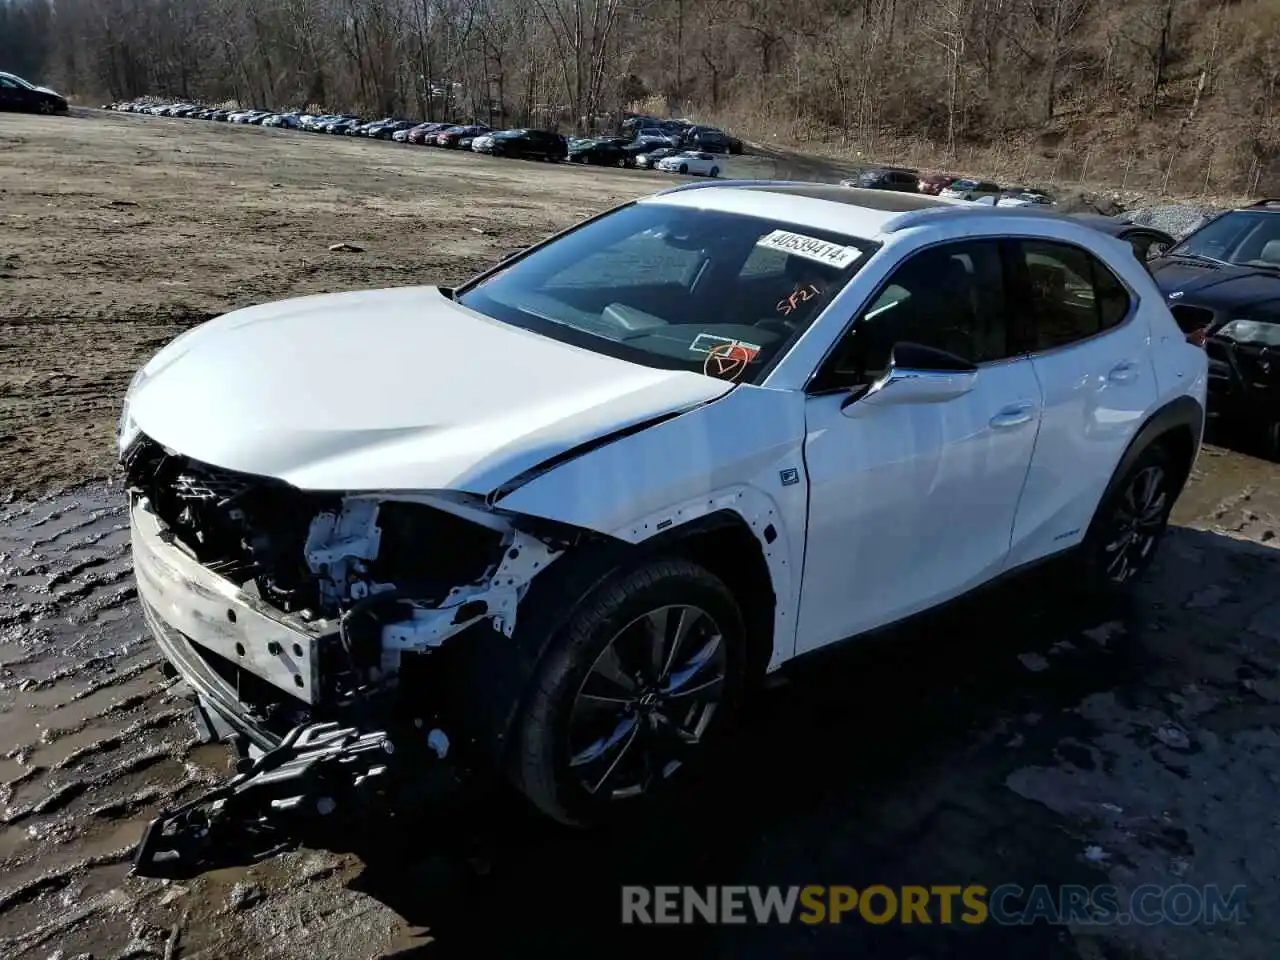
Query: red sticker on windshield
x: 728, y: 361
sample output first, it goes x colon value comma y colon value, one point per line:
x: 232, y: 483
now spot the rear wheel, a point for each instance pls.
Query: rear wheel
x: 1271, y: 441
x: 1129, y: 524
x: 630, y: 693
x: 715, y: 171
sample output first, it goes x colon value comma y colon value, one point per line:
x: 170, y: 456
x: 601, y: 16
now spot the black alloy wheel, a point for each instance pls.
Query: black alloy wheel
x: 1138, y: 519
x: 646, y: 701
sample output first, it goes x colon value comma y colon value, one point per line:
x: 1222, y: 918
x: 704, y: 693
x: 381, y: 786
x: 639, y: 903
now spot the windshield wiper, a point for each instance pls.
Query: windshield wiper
x: 1195, y: 257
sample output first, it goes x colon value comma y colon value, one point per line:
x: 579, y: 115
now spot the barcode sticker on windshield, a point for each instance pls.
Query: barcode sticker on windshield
x: 832, y: 254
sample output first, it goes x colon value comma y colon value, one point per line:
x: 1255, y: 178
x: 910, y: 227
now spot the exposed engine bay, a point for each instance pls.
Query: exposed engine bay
x: 314, y: 630
x: 395, y: 576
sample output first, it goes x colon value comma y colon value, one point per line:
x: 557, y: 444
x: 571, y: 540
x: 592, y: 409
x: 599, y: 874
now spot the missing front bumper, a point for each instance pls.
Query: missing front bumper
x: 183, y: 597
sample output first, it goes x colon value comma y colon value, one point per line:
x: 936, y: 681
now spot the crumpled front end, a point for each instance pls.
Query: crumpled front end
x: 315, y: 630
x: 303, y: 604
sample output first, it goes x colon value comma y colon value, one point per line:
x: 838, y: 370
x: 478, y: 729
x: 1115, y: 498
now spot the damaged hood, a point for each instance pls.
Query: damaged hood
x: 390, y: 389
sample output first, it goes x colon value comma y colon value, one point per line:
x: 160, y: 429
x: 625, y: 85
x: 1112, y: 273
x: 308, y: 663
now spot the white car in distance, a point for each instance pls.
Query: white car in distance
x: 569, y: 514
x: 691, y: 161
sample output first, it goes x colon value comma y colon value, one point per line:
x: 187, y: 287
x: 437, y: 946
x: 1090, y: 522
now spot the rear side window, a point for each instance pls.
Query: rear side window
x: 1070, y: 294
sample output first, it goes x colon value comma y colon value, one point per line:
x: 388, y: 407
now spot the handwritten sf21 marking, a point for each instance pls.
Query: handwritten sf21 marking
x: 787, y: 305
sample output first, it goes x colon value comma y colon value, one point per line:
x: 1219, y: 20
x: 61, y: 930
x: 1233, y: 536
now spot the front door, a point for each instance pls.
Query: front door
x: 912, y: 504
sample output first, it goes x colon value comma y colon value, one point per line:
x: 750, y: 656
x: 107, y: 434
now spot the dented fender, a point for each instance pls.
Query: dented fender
x: 742, y: 453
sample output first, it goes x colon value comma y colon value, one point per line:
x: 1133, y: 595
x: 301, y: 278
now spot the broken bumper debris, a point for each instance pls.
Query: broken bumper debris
x: 319, y: 774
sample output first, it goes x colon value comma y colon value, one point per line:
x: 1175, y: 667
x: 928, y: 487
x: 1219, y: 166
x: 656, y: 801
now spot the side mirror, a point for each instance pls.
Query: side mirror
x: 916, y: 374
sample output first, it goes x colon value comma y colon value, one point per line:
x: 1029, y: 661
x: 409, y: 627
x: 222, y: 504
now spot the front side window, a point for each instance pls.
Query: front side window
x: 1247, y: 238
x: 675, y: 288
x: 950, y: 297
x: 1071, y: 295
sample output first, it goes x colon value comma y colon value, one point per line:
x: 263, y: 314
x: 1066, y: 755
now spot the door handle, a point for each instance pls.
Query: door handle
x: 1125, y: 372
x: 1014, y: 415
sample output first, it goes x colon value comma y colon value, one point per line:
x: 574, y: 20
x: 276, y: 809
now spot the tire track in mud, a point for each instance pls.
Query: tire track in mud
x: 95, y: 740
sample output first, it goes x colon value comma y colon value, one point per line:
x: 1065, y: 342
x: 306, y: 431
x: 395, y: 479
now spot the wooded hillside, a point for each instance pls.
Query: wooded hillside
x: 1176, y: 95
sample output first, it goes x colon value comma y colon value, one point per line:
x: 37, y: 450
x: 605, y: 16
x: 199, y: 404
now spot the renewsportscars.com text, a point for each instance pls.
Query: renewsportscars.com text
x: 1008, y: 904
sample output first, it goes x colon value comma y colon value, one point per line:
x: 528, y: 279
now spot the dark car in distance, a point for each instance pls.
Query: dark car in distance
x: 1229, y: 268
x: 602, y: 151
x: 885, y: 178
x: 711, y: 140
x: 534, y: 144
x: 18, y: 94
x: 1222, y: 284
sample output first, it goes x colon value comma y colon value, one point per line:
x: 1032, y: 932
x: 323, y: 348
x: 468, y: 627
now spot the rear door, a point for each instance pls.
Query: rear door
x: 1089, y: 348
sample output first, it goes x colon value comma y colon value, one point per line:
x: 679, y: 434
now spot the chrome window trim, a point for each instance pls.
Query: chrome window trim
x: 808, y: 384
x: 1135, y: 301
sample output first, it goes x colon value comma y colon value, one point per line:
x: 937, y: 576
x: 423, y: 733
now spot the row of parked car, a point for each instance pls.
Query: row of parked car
x: 672, y: 146
x: 947, y: 185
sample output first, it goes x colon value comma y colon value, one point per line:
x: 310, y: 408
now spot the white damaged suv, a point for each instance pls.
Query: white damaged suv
x: 559, y: 520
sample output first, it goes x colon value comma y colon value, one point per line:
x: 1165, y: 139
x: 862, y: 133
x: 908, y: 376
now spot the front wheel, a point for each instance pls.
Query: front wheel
x: 715, y: 171
x: 631, y: 692
x: 1130, y: 522
x: 684, y: 168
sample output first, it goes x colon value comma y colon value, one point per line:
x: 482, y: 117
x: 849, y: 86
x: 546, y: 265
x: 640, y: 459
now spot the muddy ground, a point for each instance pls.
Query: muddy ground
x: 1023, y: 738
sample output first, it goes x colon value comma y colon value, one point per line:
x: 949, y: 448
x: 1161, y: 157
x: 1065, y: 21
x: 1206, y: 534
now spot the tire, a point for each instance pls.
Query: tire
x: 1271, y: 441
x: 715, y: 171
x: 561, y: 739
x: 1117, y: 548
x: 684, y: 168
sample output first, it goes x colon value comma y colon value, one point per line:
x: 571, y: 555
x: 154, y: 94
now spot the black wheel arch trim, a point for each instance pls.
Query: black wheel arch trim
x: 550, y: 604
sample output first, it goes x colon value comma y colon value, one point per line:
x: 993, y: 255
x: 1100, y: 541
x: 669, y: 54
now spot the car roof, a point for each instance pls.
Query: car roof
x: 823, y: 206
x: 849, y: 210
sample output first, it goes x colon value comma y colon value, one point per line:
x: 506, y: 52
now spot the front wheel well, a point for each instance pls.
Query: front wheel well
x: 724, y: 545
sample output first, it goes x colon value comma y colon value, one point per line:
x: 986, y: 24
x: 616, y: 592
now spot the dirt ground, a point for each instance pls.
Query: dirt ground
x: 1021, y: 738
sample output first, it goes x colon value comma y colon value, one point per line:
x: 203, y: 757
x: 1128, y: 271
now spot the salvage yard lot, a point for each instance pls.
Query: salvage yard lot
x: 994, y: 744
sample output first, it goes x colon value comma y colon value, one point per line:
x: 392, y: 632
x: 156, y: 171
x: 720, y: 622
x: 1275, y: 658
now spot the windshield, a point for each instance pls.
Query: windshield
x: 1242, y: 237
x: 18, y: 80
x: 964, y: 184
x: 675, y: 288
